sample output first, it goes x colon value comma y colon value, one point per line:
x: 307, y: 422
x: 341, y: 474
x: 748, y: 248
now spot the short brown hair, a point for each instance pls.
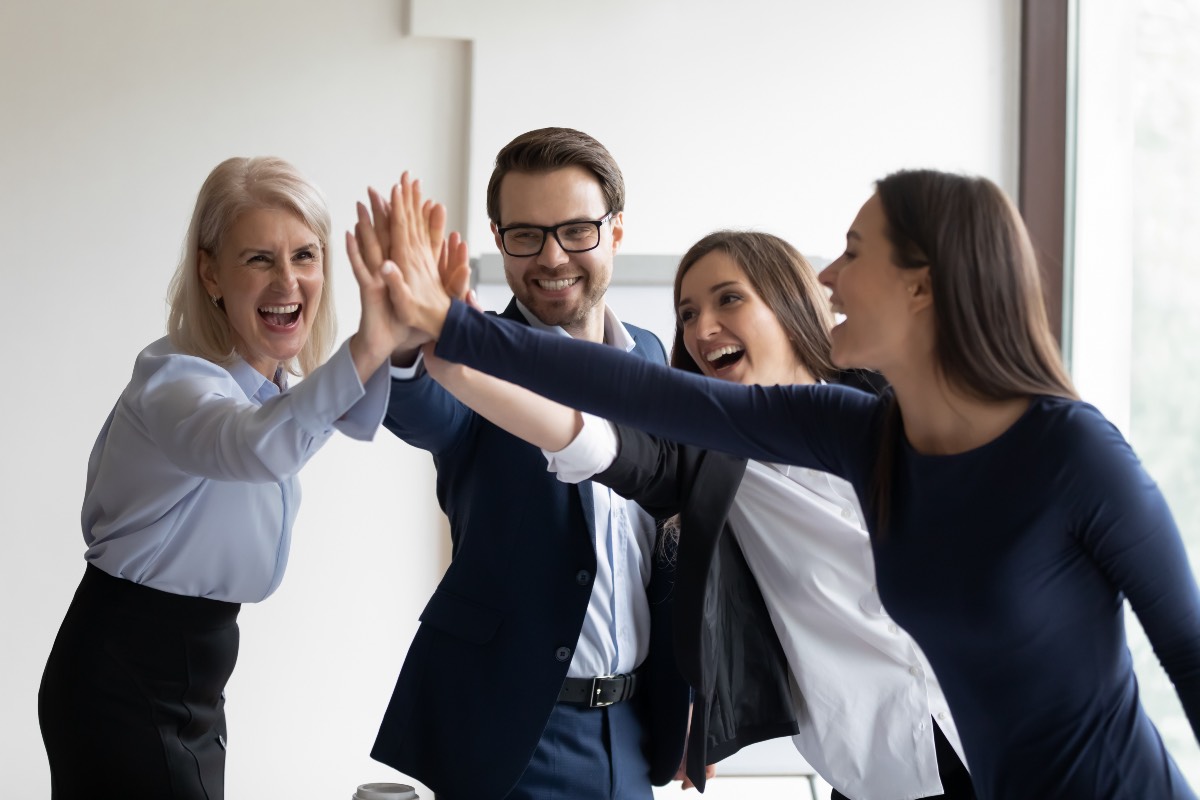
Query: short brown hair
x: 785, y: 281
x: 548, y: 149
x: 198, y: 327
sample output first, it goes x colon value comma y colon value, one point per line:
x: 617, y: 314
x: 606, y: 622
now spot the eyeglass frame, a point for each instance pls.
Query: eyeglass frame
x: 552, y: 230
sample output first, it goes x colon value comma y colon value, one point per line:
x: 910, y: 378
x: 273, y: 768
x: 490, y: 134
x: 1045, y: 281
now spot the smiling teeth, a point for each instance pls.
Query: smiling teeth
x: 288, y: 309
x: 558, y: 285
x: 727, y: 350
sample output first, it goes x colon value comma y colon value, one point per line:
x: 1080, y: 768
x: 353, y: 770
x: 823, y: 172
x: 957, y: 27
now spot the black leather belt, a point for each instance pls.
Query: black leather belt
x: 599, y: 692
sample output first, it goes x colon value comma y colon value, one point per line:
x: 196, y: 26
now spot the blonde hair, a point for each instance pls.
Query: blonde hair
x: 195, y: 324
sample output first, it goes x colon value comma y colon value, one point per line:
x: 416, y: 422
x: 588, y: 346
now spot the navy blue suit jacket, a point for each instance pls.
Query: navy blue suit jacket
x: 485, y: 667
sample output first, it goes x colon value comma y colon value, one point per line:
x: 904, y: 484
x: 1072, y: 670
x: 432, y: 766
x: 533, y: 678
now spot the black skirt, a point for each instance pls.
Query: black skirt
x: 131, y: 703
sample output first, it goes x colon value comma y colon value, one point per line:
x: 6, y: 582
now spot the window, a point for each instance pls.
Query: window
x: 1133, y: 205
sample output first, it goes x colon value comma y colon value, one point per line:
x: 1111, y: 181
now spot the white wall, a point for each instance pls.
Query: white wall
x: 775, y: 115
x: 757, y: 113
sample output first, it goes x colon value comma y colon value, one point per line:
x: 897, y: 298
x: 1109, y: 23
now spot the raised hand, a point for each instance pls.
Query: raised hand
x: 454, y: 267
x: 376, y: 239
x: 419, y: 297
x: 455, y: 270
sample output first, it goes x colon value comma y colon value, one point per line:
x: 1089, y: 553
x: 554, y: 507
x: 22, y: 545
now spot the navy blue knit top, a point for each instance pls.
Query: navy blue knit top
x: 1008, y: 564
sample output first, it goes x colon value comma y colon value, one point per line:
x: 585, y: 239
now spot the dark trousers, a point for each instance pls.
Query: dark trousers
x: 588, y: 754
x: 131, y: 702
x: 956, y: 781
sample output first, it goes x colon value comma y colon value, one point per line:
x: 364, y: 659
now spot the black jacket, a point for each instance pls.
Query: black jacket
x: 725, y: 643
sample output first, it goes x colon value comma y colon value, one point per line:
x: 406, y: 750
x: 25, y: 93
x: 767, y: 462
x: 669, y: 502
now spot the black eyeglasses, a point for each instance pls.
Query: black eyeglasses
x: 573, y: 237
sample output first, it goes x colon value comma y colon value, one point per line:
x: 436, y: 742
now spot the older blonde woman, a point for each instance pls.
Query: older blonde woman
x: 192, y: 490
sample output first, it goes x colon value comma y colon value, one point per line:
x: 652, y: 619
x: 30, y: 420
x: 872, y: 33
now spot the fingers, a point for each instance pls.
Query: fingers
x: 402, y: 229
x: 411, y: 220
x: 460, y: 257
x: 457, y: 275
x: 381, y: 212
x: 435, y: 222
x: 397, y: 288
x: 415, y: 229
x: 460, y: 263
x: 368, y: 241
x: 361, y: 273
x: 455, y: 280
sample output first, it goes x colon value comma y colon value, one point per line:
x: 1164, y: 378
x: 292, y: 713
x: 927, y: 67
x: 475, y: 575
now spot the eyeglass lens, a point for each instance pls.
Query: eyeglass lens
x: 573, y: 237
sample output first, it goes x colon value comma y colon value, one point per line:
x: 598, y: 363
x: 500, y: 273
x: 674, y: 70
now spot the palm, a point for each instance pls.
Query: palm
x: 404, y: 231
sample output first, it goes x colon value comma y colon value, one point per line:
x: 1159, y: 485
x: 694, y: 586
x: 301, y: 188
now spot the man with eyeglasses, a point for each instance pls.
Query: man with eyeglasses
x: 543, y: 665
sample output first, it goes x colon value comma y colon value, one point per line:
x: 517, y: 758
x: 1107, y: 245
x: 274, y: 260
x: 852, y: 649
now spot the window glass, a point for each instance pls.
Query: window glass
x: 1165, y: 365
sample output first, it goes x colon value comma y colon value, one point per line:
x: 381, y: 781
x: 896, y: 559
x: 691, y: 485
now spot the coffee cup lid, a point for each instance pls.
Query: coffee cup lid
x: 385, y: 791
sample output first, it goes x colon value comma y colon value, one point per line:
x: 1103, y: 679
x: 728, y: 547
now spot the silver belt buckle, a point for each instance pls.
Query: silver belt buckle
x: 593, y: 702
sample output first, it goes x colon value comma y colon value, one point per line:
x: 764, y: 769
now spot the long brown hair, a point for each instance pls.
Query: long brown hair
x: 993, y: 338
x: 788, y: 284
x: 785, y: 281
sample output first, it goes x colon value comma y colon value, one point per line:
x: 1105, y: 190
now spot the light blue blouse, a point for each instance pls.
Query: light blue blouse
x: 191, y: 485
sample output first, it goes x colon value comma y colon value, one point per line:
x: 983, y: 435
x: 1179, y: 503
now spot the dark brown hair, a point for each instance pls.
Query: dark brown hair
x: 548, y: 149
x: 788, y: 284
x: 992, y: 335
x: 785, y: 281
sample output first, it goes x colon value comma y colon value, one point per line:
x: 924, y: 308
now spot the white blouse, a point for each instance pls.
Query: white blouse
x: 864, y: 693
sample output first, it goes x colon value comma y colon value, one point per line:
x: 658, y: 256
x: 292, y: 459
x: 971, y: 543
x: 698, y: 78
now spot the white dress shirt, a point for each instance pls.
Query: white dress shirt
x: 864, y: 693
x: 191, y: 485
x: 615, y: 637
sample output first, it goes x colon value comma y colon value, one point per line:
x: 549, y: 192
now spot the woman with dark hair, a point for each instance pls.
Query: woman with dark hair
x: 1008, y: 519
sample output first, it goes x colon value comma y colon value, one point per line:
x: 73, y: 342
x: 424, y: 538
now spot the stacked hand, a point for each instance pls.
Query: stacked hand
x: 401, y: 242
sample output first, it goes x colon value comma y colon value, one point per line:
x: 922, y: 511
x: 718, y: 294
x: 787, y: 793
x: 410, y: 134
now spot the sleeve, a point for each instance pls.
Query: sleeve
x: 650, y: 471
x: 425, y: 415
x: 804, y: 425
x: 191, y: 409
x: 592, y: 450
x: 363, y: 418
x: 1129, y: 530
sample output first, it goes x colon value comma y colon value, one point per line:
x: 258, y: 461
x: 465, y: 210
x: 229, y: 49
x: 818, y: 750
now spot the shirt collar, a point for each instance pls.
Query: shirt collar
x: 615, y: 332
x: 256, y: 386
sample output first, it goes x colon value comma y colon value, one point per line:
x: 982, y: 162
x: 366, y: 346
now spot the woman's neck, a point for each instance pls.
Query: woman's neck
x: 943, y: 419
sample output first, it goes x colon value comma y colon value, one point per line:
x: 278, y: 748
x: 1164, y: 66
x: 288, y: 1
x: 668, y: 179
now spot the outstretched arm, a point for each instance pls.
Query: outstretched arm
x: 541, y: 422
x: 822, y: 427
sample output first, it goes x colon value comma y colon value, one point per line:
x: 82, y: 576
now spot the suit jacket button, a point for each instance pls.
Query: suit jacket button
x: 582, y: 577
x: 562, y: 653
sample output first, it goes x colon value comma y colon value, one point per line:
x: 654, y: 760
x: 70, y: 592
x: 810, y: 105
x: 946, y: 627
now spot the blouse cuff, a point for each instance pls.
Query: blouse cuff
x: 592, y: 450
x: 365, y: 416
